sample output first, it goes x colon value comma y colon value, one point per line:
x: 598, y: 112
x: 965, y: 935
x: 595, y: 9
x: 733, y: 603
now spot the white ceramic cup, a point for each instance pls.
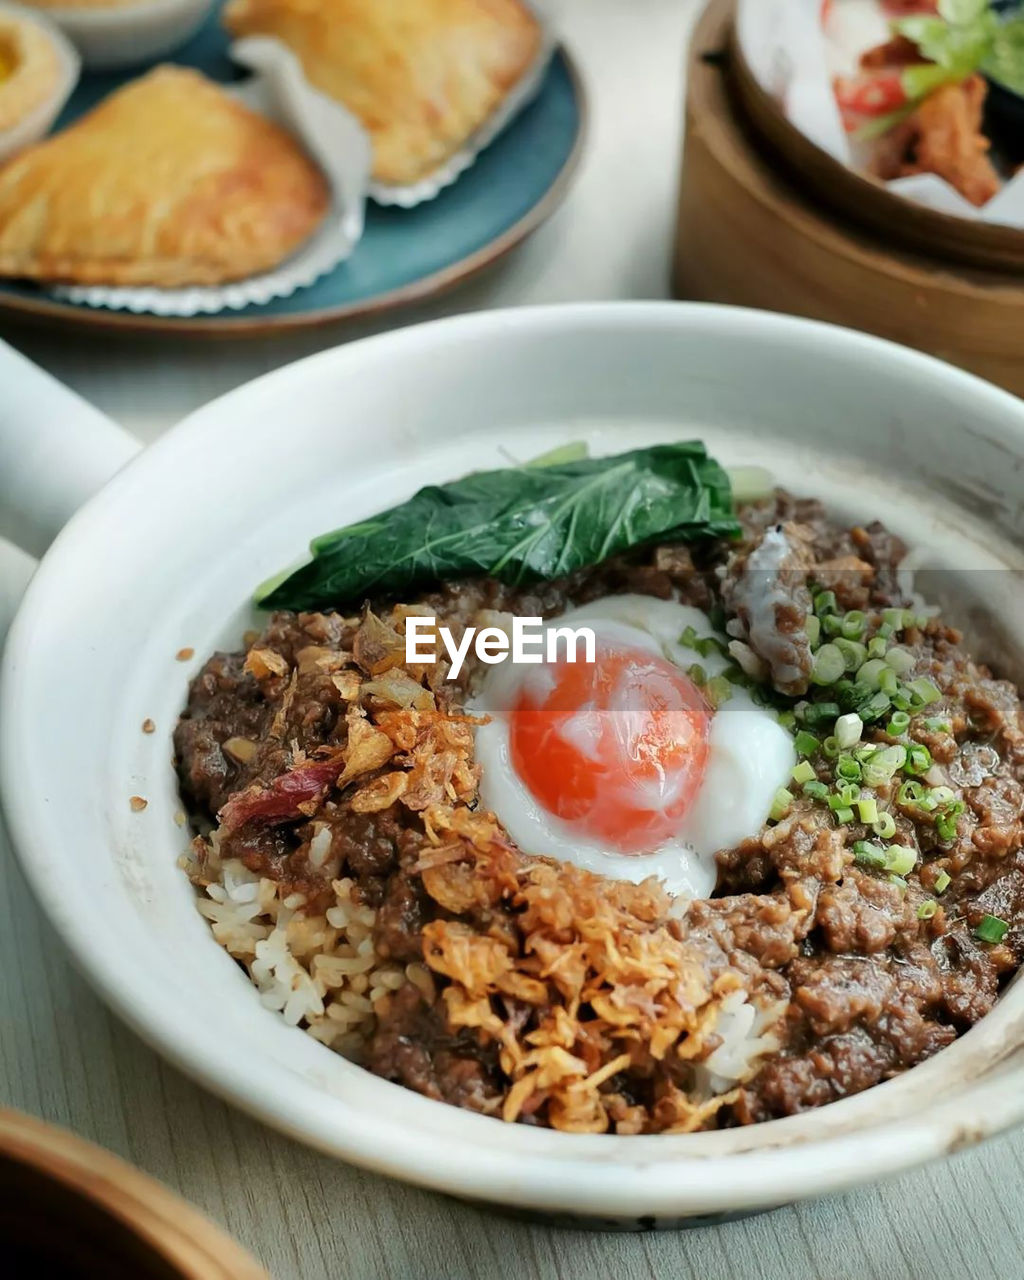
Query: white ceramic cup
x: 130, y: 33
x: 167, y: 554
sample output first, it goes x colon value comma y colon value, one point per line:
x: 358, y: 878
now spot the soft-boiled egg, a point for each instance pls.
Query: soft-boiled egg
x: 622, y: 766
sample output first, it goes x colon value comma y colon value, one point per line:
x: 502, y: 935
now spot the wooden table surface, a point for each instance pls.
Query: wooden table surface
x: 65, y: 1058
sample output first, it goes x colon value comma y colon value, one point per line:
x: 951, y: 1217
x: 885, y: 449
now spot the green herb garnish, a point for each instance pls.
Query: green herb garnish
x: 990, y: 929
x: 964, y: 37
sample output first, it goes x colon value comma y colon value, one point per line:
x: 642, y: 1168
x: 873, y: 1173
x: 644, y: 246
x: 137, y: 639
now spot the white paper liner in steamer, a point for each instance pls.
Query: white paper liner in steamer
x: 788, y: 53
x: 36, y: 124
x: 519, y: 96
x: 331, y: 136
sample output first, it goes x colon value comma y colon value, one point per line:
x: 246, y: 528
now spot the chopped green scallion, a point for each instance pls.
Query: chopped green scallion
x: 901, y: 660
x: 924, y: 692
x: 867, y: 810
x: 900, y: 859
x: 901, y: 699
x: 854, y: 653
x: 697, y: 674
x: 927, y: 909
x: 911, y: 793
x: 819, y: 713
x: 847, y: 694
x: 853, y: 624
x: 946, y: 823
x: 888, y: 682
x: 869, y: 855
x: 943, y: 881
x: 990, y: 929
x: 898, y: 724
x: 870, y: 673
x: 875, y: 707
x: 919, y: 759
x: 848, y: 730
x: 848, y: 769
x: 937, y: 724
x: 877, y: 647
x: 825, y: 602
x: 828, y: 665
x: 781, y: 804
x: 719, y: 690
x: 816, y: 790
x: 803, y: 772
x: 884, y: 826
x: 813, y: 628
x: 806, y: 743
x: 883, y: 765
x: 710, y: 644
x: 689, y: 638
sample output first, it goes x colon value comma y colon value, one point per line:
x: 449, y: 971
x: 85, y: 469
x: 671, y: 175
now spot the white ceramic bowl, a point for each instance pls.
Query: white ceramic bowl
x: 128, y: 33
x: 166, y: 555
x: 30, y: 128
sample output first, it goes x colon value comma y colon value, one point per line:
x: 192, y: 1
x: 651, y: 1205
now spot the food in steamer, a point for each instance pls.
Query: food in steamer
x: 364, y: 857
x: 927, y: 99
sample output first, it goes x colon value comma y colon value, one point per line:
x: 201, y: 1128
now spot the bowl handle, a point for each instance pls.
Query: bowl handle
x: 56, y: 451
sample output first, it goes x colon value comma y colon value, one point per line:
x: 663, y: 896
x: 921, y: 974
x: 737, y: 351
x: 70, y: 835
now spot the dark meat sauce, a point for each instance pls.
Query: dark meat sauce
x: 872, y: 988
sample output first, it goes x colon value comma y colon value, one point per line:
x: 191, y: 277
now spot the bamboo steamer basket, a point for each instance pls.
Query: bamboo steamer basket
x: 751, y: 234
x: 70, y: 1209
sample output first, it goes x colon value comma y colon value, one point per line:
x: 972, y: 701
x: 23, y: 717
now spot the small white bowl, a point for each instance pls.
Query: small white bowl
x: 131, y: 33
x: 163, y: 562
x: 37, y: 122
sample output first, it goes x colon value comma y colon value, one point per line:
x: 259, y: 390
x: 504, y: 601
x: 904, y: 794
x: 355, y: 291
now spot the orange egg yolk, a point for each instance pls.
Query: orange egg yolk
x: 617, y: 747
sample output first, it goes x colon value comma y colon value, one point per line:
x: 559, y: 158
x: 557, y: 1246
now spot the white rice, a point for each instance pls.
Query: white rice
x: 319, y: 971
x: 746, y: 1032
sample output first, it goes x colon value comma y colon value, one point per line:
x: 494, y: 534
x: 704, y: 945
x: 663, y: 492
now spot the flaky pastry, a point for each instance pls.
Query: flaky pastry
x: 421, y: 75
x: 168, y: 182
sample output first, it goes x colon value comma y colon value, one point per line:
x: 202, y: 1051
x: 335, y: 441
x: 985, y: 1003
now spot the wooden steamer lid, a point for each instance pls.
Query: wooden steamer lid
x: 750, y: 234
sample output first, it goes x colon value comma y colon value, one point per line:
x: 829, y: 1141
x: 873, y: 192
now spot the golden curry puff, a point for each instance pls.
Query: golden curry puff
x: 30, y: 68
x: 168, y: 182
x: 421, y: 75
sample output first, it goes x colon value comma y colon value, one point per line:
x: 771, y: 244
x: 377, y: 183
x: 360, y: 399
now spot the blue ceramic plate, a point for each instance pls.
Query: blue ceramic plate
x: 405, y: 254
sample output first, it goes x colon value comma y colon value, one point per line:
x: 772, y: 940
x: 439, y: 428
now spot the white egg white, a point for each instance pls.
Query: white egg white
x: 750, y: 755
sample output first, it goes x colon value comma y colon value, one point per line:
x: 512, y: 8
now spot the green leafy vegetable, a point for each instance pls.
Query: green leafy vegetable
x: 518, y: 525
x: 966, y: 36
x: 963, y: 11
x: 1005, y: 61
